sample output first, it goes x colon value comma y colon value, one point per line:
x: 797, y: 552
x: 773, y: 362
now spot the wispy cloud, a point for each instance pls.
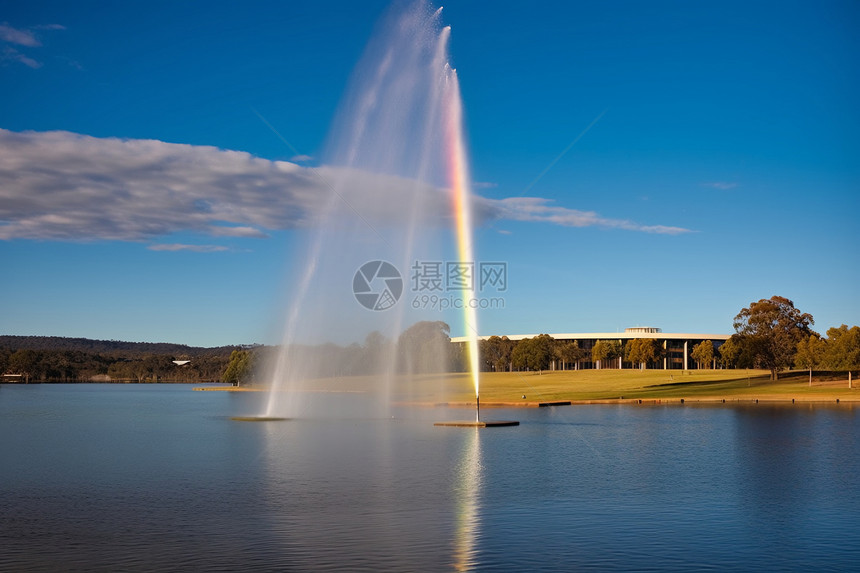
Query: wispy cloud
x: 65, y: 186
x: 183, y: 247
x: 300, y: 158
x: 241, y: 231
x: 14, y: 39
x: 722, y: 185
x: 17, y: 36
x: 537, y: 209
x: 12, y: 55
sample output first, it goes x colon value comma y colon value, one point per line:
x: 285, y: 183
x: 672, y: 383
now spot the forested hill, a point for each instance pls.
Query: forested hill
x: 59, y: 343
x: 58, y: 359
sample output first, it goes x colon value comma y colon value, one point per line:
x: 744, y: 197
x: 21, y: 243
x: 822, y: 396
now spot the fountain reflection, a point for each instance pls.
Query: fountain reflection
x: 467, y: 490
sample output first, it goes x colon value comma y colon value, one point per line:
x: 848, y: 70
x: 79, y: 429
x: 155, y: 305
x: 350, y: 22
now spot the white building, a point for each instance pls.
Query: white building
x: 677, y: 346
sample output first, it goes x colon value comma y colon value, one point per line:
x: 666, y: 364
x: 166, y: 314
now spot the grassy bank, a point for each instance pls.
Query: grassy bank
x: 508, y: 388
x: 658, y: 384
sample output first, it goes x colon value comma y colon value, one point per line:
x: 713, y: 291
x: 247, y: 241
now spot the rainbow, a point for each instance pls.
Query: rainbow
x: 461, y: 195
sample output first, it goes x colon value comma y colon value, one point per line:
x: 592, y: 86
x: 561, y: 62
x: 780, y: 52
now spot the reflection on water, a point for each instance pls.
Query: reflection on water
x: 467, y: 493
x: 158, y: 478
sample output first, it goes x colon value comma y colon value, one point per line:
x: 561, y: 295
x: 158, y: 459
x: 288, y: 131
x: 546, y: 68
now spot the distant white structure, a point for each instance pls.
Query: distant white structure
x: 181, y: 362
x: 677, y: 346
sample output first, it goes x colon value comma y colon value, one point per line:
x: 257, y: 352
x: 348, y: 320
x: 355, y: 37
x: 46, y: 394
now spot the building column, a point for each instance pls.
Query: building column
x: 665, y: 354
x: 686, y: 354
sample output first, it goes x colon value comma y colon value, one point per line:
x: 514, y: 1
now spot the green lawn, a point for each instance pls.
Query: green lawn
x: 630, y: 384
x: 510, y: 387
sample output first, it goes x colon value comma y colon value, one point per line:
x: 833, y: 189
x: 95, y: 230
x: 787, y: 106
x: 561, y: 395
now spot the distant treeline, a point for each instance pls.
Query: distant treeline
x: 58, y: 359
x: 770, y: 334
x: 423, y: 347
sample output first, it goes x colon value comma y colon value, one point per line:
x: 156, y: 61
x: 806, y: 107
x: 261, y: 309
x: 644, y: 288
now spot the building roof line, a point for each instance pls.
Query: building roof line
x: 612, y: 336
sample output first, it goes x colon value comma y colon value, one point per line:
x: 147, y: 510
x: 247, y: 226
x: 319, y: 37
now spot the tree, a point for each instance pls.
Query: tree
x: 519, y: 355
x: 605, y: 350
x: 496, y: 353
x: 157, y: 365
x: 4, y: 359
x: 770, y: 330
x: 423, y: 347
x: 734, y: 353
x: 843, y: 349
x: 239, y: 368
x: 139, y: 370
x: 533, y: 353
x: 23, y: 362
x: 569, y: 352
x: 810, y: 353
x: 703, y: 353
x: 643, y: 350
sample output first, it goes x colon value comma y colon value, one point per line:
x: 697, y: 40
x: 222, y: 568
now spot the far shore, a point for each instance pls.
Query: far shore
x: 554, y: 388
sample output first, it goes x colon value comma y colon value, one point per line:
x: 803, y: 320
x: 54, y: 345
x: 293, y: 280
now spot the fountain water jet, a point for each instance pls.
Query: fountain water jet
x: 395, y: 170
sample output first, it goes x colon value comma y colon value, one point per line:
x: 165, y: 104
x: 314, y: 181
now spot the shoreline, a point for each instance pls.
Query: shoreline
x: 550, y: 389
x: 666, y: 401
x: 673, y: 401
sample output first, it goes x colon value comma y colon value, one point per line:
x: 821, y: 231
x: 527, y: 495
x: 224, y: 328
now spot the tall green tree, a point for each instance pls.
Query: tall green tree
x: 770, y: 330
x: 496, y: 353
x: 568, y: 352
x: 533, y: 353
x: 810, y: 353
x: 239, y: 369
x: 424, y: 347
x: 735, y: 354
x: 703, y: 354
x: 843, y: 349
x: 604, y: 350
x: 24, y: 362
x: 641, y: 351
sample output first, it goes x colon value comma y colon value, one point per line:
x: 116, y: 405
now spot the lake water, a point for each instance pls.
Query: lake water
x: 157, y: 477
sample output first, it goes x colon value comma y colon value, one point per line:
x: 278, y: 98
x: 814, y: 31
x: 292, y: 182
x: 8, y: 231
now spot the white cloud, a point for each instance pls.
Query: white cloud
x: 537, y: 209
x: 251, y: 232
x: 300, y: 158
x: 12, y: 38
x: 13, y: 55
x: 65, y: 186
x: 19, y: 37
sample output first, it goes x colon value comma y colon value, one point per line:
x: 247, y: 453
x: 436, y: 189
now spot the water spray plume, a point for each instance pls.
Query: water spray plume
x: 462, y: 205
x: 401, y: 122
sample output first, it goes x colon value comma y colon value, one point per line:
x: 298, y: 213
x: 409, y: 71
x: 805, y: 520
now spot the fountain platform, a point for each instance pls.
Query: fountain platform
x: 478, y: 423
x: 258, y: 419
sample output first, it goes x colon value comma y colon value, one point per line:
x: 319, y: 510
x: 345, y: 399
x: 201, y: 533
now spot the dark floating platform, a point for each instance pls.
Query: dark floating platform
x: 478, y: 424
x: 258, y: 419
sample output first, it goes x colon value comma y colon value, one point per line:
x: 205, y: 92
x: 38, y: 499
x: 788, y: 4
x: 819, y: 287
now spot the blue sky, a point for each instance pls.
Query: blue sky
x: 736, y: 122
